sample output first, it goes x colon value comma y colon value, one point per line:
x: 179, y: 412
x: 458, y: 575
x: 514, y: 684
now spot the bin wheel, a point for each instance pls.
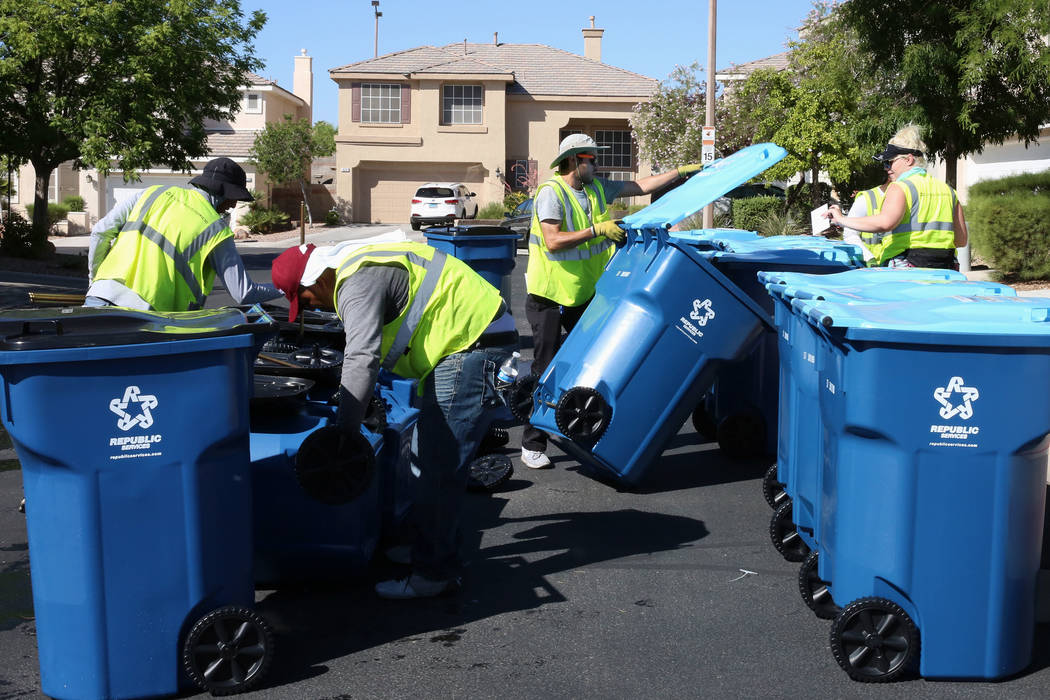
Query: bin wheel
x: 334, y: 467
x: 742, y: 435
x: 276, y: 345
x: 814, y: 589
x: 874, y: 640
x: 784, y: 535
x: 773, y: 489
x: 228, y: 650
x: 494, y: 439
x: 582, y: 415
x: 703, y: 422
x: 489, y: 472
x: 519, y: 396
x: 375, y: 416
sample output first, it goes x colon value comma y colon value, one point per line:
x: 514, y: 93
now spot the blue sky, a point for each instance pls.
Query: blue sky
x: 650, y: 38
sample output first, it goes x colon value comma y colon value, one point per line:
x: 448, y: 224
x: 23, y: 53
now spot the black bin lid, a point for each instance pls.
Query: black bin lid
x: 82, y: 326
x: 468, y: 231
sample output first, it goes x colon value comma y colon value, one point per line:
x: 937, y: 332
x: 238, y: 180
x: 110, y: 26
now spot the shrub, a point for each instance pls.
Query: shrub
x: 55, y: 213
x: 492, y: 210
x: 776, y: 223
x: 696, y: 221
x: 264, y: 219
x: 749, y: 213
x: 16, y: 234
x: 1009, y: 224
x: 512, y: 200
x: 799, y: 201
x: 73, y: 202
x: 331, y: 218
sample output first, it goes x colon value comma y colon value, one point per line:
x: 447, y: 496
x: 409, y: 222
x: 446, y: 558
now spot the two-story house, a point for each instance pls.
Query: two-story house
x: 262, y: 101
x: 487, y: 115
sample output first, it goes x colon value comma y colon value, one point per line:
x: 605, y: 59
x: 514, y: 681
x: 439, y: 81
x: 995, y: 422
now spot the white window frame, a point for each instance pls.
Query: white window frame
x: 620, y: 155
x: 258, y: 109
x: 381, y: 103
x: 52, y: 187
x: 462, y: 104
x: 12, y: 181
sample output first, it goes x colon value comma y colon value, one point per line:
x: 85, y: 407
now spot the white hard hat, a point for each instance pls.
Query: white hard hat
x: 573, y: 144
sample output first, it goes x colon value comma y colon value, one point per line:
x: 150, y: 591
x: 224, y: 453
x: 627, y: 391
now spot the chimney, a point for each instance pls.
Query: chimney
x: 303, y: 83
x: 592, y: 42
x: 495, y: 38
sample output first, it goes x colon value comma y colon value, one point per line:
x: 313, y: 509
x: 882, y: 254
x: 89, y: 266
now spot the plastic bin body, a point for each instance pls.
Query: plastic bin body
x: 395, y: 468
x: 712, y: 238
x: 662, y: 322
x: 297, y: 537
x: 938, y: 505
x: 750, y: 387
x: 799, y: 448
x: 489, y: 250
x: 139, y: 523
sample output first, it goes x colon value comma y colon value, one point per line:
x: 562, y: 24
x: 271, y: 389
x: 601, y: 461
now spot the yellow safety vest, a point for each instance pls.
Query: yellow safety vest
x: 928, y: 217
x: 567, y: 277
x: 161, y: 252
x: 449, y: 305
x: 873, y: 200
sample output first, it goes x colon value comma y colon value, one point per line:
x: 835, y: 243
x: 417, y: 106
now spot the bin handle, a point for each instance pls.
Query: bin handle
x: 814, y: 313
x: 52, y: 324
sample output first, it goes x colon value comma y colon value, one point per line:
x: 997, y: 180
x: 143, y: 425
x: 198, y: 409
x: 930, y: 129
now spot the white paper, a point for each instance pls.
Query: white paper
x: 818, y: 219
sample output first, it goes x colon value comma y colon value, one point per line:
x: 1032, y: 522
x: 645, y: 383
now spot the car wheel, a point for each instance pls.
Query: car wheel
x: 415, y: 225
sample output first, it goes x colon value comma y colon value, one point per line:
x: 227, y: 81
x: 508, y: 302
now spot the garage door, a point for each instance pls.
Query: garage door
x: 1008, y: 159
x: 384, y: 194
x: 117, y: 190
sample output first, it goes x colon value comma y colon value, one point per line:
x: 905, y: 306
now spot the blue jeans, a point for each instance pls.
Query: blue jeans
x: 459, y: 401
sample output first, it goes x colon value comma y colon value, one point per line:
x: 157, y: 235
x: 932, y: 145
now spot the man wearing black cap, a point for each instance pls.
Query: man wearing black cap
x: 161, y: 249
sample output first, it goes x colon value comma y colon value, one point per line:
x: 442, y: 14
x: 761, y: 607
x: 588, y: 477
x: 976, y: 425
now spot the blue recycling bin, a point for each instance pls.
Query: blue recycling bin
x: 934, y: 480
x: 712, y: 238
x: 397, y: 478
x: 744, y: 401
x: 800, y: 461
x: 488, y: 250
x: 662, y: 322
x: 138, y: 512
x: 298, y: 537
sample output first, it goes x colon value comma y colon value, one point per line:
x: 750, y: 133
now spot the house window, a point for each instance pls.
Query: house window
x: 618, y: 154
x: 52, y: 186
x: 381, y: 103
x: 253, y: 103
x: 11, y: 177
x: 461, y: 104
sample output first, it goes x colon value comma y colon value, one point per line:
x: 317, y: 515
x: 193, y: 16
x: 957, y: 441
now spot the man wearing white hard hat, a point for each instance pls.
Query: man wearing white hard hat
x: 571, y: 240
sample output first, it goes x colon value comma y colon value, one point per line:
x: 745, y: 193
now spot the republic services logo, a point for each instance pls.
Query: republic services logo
x: 966, y: 396
x: 140, y: 406
x: 702, y: 311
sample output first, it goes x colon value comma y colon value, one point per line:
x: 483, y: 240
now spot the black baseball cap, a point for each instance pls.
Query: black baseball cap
x: 224, y: 178
x: 892, y: 151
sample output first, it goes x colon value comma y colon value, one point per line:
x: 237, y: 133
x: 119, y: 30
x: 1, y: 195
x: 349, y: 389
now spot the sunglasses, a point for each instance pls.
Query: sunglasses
x: 887, y: 164
x: 585, y: 156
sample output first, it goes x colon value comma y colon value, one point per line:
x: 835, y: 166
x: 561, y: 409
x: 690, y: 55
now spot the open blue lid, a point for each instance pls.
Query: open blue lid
x: 1002, y: 321
x: 707, y: 186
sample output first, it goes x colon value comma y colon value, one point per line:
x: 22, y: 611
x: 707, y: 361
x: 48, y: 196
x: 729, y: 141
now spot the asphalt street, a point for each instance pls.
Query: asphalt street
x: 575, y: 589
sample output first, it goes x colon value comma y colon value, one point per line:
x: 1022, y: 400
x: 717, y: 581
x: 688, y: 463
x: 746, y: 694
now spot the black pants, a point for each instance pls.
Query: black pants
x: 547, y: 318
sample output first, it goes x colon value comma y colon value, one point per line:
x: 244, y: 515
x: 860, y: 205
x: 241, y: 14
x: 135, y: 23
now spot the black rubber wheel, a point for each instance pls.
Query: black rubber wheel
x: 773, y: 488
x: 703, y: 422
x: 874, y: 640
x: 334, y: 467
x: 316, y: 357
x: 375, y: 416
x: 582, y: 415
x: 415, y: 225
x: 814, y: 589
x: 228, y: 650
x: 494, y: 439
x: 784, y: 535
x: 519, y: 396
x: 276, y: 345
x: 742, y: 435
x: 489, y: 472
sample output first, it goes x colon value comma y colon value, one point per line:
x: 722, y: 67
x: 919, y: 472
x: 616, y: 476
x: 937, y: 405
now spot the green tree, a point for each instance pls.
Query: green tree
x: 970, y: 72
x: 131, y: 81
x: 284, y: 150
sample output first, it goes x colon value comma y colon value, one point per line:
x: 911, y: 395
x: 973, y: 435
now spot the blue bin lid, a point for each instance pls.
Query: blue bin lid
x: 466, y: 234
x: 707, y: 186
x: 1002, y: 321
x: 84, y: 327
x: 712, y: 236
x: 787, y: 242
x: 855, y: 278
x: 889, y: 290
x: 831, y: 256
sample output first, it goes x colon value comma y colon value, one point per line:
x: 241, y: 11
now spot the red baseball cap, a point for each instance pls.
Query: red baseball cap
x: 287, y: 274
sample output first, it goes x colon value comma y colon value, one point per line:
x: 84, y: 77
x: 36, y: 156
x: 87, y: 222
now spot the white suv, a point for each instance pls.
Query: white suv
x: 442, y: 203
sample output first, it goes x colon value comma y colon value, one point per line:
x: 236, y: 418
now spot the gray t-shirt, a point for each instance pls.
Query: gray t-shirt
x: 548, y: 204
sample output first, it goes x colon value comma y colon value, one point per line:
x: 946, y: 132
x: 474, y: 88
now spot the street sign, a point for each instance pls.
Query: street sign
x: 707, y: 143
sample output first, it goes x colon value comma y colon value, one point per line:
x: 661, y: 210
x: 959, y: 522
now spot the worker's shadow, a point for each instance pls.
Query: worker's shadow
x: 318, y: 623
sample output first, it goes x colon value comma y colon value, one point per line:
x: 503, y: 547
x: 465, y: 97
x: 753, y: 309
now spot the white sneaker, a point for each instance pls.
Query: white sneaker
x: 534, y: 459
x: 415, y: 586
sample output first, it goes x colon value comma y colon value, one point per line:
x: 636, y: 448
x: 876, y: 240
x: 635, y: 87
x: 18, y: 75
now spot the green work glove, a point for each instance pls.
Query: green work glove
x: 610, y: 230
x: 687, y: 171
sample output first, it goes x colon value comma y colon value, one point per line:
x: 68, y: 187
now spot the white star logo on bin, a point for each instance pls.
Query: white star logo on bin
x: 964, y: 410
x: 145, y: 403
x: 702, y: 311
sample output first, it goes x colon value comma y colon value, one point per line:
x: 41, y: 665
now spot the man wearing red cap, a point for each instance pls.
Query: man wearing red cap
x: 424, y: 315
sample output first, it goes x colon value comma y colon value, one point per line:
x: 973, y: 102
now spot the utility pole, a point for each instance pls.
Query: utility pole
x: 375, y: 6
x: 709, y: 210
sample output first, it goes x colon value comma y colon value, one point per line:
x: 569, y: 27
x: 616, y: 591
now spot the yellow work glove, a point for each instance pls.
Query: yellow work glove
x: 610, y: 230
x: 687, y: 171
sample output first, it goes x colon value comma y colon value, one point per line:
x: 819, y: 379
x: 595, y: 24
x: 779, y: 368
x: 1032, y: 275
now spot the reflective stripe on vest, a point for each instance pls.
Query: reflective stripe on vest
x: 567, y: 277
x: 873, y: 205
x: 124, y: 260
x: 447, y: 329
x: 928, y: 220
